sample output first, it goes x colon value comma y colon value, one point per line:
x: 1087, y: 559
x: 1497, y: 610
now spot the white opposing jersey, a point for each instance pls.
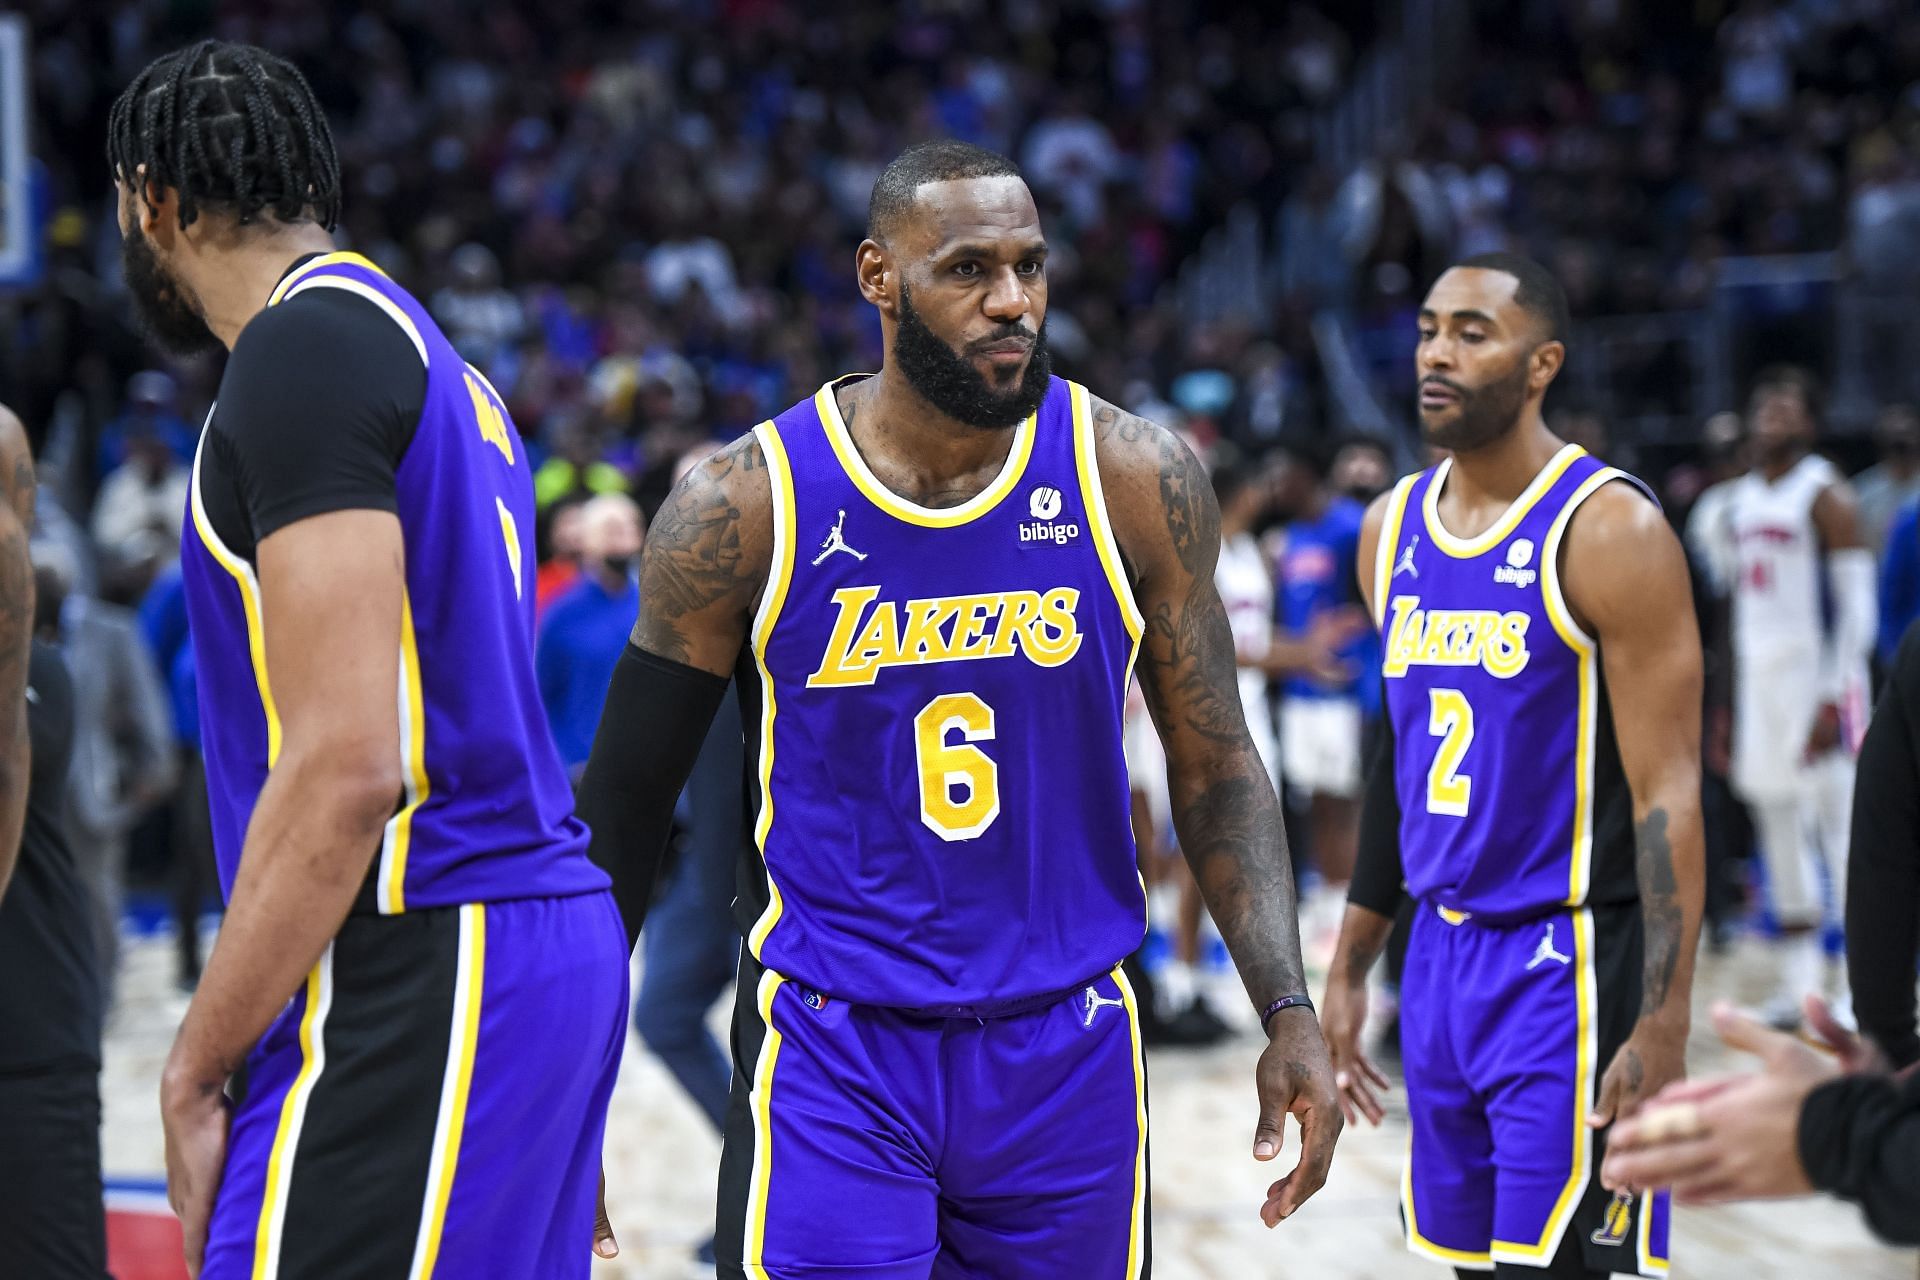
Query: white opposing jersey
x: 1777, y: 610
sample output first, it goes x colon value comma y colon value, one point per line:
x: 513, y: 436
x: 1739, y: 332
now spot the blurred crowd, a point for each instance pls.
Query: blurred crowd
x: 639, y: 220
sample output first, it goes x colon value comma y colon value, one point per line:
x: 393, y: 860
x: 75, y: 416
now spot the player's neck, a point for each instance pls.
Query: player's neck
x: 1775, y: 468
x: 925, y: 455
x: 1497, y: 473
x: 234, y: 282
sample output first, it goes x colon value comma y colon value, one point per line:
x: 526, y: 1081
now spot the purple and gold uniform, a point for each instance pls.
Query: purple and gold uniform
x: 1524, y: 967
x: 433, y: 1099
x: 937, y: 1061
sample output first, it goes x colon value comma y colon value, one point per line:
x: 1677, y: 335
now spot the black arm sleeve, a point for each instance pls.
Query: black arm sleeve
x: 1883, y: 867
x: 651, y: 730
x: 1378, y: 880
x: 1859, y: 1139
x: 318, y: 405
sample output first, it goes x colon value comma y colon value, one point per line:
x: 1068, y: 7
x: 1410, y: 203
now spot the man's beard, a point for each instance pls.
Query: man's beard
x: 949, y: 382
x: 164, y: 312
x: 1483, y: 416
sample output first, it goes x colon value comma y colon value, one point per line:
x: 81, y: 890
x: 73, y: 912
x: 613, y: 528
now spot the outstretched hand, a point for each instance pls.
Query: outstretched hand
x: 1295, y: 1077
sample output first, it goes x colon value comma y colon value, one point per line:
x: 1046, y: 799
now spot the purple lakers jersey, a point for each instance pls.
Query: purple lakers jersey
x: 1512, y: 798
x: 933, y: 702
x: 486, y: 813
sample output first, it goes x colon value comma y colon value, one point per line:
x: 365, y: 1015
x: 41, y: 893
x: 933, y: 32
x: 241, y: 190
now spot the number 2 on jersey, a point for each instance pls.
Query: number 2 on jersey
x: 946, y: 766
x: 1450, y: 719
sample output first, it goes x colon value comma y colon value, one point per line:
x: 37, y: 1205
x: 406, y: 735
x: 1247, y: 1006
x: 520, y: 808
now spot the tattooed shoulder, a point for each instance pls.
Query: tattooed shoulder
x: 708, y: 548
x: 1155, y: 472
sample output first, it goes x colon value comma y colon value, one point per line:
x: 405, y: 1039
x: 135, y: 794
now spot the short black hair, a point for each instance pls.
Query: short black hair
x: 1789, y: 377
x: 943, y: 160
x: 229, y: 127
x: 1539, y: 294
x: 1230, y: 476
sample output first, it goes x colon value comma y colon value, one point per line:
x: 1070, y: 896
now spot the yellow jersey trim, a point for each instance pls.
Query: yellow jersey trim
x: 250, y: 601
x: 293, y: 1115
x: 1651, y: 1264
x: 760, y: 1100
x: 1465, y: 548
x: 1586, y: 649
x: 1137, y: 1221
x: 892, y: 503
x: 779, y: 578
x: 397, y: 841
x: 1585, y: 1053
x: 1094, y: 498
x: 339, y: 258
x: 464, y: 1039
x: 1384, y: 554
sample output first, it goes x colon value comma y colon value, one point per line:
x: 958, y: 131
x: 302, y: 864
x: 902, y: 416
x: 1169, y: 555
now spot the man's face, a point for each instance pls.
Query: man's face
x: 166, y: 310
x: 1474, y: 358
x: 1780, y: 423
x: 971, y: 333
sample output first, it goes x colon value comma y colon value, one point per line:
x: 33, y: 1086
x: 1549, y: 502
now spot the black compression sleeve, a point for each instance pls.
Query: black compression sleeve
x: 655, y: 719
x: 1883, y: 868
x: 1378, y: 879
x: 318, y: 404
x: 1859, y: 1139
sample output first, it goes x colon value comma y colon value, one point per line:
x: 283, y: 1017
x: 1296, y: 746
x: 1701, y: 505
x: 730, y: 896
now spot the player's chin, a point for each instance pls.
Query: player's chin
x: 1437, y: 424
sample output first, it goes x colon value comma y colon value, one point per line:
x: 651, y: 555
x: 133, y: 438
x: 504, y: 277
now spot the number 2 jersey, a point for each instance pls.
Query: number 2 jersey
x: 344, y: 394
x: 1512, y: 798
x: 933, y: 701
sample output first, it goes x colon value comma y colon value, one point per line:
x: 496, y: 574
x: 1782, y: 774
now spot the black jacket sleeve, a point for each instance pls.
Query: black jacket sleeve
x: 1859, y: 1139
x: 1883, y: 868
x: 1378, y: 879
x: 651, y: 730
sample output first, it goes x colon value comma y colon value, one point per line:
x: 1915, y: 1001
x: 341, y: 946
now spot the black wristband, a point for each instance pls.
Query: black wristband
x: 1301, y: 1001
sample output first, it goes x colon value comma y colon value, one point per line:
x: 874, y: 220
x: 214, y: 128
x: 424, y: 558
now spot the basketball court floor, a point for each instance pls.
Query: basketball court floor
x: 1206, y: 1185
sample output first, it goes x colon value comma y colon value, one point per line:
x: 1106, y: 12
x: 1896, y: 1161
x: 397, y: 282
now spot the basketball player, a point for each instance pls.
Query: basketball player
x: 1805, y: 619
x: 932, y: 582
x: 1542, y: 794
x: 418, y: 993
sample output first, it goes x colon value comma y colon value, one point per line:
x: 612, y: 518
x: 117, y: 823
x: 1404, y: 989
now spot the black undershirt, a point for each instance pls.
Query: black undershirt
x: 320, y: 399
x: 50, y: 988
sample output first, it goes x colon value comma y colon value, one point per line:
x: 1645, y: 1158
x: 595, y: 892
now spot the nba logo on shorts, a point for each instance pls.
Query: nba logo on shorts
x: 1618, y: 1222
x: 813, y: 999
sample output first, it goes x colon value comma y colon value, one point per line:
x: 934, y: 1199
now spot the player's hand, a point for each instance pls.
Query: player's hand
x: 1853, y: 1051
x: 604, y: 1245
x: 1653, y: 1057
x: 1731, y: 1138
x: 1329, y: 633
x: 194, y: 1117
x: 1343, y: 1020
x: 1295, y: 1076
x: 1825, y: 735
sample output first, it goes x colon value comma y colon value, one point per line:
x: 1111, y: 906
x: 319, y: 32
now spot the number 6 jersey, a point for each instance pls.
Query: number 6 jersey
x: 1512, y: 798
x: 933, y: 701
x: 324, y: 406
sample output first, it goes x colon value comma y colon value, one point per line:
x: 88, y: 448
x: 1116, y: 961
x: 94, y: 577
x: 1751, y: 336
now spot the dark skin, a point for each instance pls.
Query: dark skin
x: 1626, y: 580
x: 16, y: 636
x: 973, y: 256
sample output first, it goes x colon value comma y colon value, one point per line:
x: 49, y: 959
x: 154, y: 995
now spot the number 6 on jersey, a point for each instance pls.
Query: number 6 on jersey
x: 945, y: 766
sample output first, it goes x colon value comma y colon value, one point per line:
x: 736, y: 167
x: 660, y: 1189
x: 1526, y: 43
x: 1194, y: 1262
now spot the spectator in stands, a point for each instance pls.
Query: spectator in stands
x: 1892, y: 482
x: 1362, y: 468
x: 123, y: 753
x: 481, y: 319
x: 585, y: 631
x: 151, y: 410
x: 560, y: 567
x: 138, y: 514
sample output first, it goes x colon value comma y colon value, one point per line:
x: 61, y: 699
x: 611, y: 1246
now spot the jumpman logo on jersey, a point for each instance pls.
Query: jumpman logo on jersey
x: 1406, y: 564
x: 834, y: 542
x: 1545, y: 952
x: 1095, y: 1003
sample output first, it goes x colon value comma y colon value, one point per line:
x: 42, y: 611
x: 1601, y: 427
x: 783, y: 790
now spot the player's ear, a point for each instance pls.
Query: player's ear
x: 1544, y: 365
x: 873, y: 268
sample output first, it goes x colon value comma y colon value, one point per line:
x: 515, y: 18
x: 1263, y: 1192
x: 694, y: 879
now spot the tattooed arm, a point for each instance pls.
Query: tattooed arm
x: 1626, y: 579
x: 1224, y: 807
x: 702, y: 567
x: 16, y: 636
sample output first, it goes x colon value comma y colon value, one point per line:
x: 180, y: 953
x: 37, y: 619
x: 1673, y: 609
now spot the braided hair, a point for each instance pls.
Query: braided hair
x: 229, y: 127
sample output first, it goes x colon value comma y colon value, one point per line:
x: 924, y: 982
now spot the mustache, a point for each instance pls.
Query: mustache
x: 1006, y: 333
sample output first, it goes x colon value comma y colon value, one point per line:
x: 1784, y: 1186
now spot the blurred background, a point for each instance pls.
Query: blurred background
x: 639, y: 220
